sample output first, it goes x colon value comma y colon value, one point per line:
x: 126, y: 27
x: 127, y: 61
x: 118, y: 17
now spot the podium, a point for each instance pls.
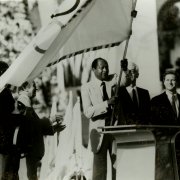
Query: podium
x: 145, y: 152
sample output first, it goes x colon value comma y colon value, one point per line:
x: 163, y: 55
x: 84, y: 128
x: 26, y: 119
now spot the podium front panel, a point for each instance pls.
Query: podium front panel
x: 135, y: 155
x: 145, y: 152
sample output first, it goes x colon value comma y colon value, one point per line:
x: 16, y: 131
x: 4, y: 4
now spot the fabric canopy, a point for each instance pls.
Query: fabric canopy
x: 85, y: 25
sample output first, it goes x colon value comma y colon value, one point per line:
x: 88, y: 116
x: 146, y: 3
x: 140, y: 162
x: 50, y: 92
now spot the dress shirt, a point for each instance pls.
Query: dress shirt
x: 130, y: 89
x: 169, y: 95
x: 15, y: 135
x: 98, y: 83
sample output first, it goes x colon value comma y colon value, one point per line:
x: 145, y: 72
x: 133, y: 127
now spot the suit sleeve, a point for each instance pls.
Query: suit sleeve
x: 148, y: 104
x: 155, y: 111
x: 91, y: 110
x: 6, y: 102
x: 43, y: 125
x: 46, y: 126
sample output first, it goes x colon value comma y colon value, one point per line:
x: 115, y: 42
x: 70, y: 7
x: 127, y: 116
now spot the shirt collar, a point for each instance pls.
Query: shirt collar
x: 130, y: 88
x: 98, y: 82
x: 169, y: 94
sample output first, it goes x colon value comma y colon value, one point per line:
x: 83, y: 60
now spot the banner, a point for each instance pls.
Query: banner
x: 81, y: 26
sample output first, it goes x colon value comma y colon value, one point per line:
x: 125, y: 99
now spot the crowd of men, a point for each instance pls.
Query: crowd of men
x: 21, y: 130
x: 133, y: 106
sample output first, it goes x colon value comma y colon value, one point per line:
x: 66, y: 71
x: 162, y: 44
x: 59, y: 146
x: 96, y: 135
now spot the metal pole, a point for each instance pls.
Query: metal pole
x: 124, y: 57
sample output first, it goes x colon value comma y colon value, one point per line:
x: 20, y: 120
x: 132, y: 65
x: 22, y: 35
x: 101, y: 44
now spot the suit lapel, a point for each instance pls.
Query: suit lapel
x: 140, y: 96
x: 110, y: 89
x: 167, y: 102
x: 127, y: 95
x: 111, y: 85
x: 179, y: 105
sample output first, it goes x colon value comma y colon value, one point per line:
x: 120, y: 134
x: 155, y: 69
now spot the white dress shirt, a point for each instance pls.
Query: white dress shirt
x: 130, y: 89
x: 98, y: 83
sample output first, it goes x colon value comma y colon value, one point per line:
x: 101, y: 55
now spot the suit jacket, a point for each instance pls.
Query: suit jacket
x: 162, y: 112
x: 6, y: 103
x: 133, y: 115
x: 96, y: 109
x: 7, y: 120
x: 30, y: 137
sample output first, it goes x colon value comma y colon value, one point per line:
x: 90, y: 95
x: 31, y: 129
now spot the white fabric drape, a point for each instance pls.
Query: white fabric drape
x: 65, y: 146
x: 51, y: 143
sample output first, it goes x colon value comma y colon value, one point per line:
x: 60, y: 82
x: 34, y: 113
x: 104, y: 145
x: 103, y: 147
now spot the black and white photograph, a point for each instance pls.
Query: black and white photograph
x: 89, y: 89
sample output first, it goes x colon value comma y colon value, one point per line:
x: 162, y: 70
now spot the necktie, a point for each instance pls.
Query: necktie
x: 105, y: 95
x: 135, y: 101
x: 174, y: 105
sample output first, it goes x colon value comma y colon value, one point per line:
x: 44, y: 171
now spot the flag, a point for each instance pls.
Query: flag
x: 143, y: 46
x: 83, y: 157
x: 85, y: 25
x: 74, y: 161
x: 60, y: 77
x: 65, y: 146
x: 50, y: 147
x: 72, y: 157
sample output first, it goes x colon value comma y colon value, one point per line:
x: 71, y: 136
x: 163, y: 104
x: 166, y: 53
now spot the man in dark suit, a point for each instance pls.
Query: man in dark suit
x: 165, y: 110
x: 8, y: 123
x: 32, y: 130
x: 165, y: 107
x: 6, y: 109
x: 97, y: 98
x: 135, y: 101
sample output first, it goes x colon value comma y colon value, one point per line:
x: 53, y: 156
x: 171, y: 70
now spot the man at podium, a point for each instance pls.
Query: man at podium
x: 165, y: 109
x: 135, y: 101
x: 97, y: 98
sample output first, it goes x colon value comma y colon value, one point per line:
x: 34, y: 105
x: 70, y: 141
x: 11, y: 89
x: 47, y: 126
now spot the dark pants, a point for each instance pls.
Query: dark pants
x: 100, y: 159
x: 177, y: 146
x: 11, y: 167
x: 32, y: 164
